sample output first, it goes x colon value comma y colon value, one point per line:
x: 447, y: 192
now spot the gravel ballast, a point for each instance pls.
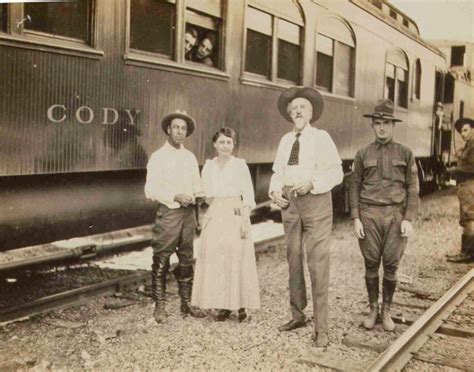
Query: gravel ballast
x: 91, y: 337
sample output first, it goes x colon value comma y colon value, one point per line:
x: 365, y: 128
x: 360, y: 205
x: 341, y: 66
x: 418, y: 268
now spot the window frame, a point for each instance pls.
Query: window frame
x: 417, y: 76
x: 273, y: 81
x: 177, y: 62
x: 352, y: 80
x: 21, y: 37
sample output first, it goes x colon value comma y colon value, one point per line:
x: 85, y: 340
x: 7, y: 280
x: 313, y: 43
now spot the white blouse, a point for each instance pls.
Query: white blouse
x: 232, y: 180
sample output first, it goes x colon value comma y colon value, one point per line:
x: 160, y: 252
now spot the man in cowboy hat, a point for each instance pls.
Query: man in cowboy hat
x: 464, y: 173
x: 384, y: 202
x: 173, y: 181
x: 307, y: 166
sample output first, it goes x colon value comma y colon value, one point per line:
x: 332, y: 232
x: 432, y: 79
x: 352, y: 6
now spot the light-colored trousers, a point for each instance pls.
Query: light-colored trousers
x: 308, y: 220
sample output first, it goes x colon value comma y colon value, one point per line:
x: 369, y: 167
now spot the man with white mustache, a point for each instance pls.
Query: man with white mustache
x: 307, y: 166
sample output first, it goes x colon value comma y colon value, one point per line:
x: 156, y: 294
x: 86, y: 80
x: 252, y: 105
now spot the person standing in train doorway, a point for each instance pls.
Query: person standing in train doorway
x: 384, y: 201
x: 173, y: 181
x: 464, y: 173
x: 307, y: 166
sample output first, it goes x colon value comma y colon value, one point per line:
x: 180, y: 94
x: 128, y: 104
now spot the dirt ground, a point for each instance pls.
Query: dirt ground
x: 91, y: 337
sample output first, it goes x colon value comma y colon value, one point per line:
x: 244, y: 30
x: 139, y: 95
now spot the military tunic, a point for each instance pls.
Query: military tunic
x: 465, y: 177
x: 383, y: 192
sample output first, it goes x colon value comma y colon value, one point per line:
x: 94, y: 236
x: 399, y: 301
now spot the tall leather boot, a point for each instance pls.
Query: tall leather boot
x: 184, y: 276
x: 159, y: 271
x: 373, y: 291
x: 387, y: 294
x: 467, y: 251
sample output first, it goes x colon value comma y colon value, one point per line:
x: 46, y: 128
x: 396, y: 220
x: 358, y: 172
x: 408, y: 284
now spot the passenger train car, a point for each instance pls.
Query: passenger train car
x: 84, y: 85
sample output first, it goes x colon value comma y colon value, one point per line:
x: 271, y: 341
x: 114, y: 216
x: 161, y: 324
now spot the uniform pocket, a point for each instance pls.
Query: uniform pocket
x: 370, y: 170
x: 399, y: 168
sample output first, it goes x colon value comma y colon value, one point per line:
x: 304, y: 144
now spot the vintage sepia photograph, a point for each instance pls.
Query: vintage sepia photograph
x: 237, y: 185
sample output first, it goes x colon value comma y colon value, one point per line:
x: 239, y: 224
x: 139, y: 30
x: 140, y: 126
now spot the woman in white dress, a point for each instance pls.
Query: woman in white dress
x: 226, y: 272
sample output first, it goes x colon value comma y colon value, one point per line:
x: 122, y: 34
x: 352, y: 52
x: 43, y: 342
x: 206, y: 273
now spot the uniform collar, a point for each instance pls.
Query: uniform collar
x: 379, y: 144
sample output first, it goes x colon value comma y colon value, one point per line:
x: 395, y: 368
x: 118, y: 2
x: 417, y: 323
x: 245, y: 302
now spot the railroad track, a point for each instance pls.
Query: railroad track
x: 408, y: 345
x: 107, y: 288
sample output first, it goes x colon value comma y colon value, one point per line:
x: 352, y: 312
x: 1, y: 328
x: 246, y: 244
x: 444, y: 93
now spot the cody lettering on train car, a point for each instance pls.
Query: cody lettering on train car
x: 85, y: 115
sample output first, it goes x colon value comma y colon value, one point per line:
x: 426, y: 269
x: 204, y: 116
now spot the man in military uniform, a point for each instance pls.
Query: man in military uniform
x: 464, y: 173
x: 384, y: 201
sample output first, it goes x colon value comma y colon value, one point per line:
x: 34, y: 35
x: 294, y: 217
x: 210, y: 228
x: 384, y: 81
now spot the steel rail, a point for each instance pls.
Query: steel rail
x: 84, y: 294
x: 402, y: 350
x: 72, y: 297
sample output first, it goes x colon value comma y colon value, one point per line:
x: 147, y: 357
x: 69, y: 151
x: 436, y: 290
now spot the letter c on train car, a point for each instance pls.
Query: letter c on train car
x: 78, y: 115
x: 50, y: 113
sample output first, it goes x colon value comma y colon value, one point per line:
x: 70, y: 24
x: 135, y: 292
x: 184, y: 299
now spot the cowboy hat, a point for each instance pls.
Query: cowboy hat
x: 191, y: 124
x: 461, y: 122
x: 383, y: 110
x: 311, y: 94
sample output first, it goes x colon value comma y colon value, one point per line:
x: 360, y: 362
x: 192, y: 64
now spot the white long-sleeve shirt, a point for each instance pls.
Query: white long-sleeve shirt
x: 172, y: 171
x: 319, y: 162
x: 232, y: 180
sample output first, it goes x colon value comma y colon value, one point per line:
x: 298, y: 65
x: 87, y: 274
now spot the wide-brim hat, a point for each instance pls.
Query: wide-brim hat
x: 461, y: 122
x: 179, y: 115
x: 311, y: 94
x: 383, y: 110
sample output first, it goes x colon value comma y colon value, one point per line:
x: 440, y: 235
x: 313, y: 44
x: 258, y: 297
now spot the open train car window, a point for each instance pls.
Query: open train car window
x: 273, y: 47
x: 396, y: 78
x: 151, y: 26
x: 335, y: 49
x: 65, y: 19
x: 157, y: 28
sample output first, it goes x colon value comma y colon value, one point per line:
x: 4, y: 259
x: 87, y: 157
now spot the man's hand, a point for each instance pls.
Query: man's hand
x: 359, y: 229
x: 279, y: 199
x: 183, y: 199
x: 406, y: 229
x: 302, y: 189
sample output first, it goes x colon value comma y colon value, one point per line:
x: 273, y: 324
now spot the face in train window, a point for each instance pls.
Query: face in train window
x: 68, y: 19
x: 204, y: 22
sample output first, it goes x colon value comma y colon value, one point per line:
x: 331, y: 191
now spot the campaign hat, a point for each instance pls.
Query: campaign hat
x: 190, y: 122
x: 311, y: 94
x: 383, y: 110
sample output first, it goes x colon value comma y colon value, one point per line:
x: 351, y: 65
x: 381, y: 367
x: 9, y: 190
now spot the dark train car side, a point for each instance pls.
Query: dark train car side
x: 85, y: 84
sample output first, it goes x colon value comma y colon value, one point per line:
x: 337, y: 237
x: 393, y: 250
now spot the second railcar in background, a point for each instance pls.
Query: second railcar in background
x: 85, y: 84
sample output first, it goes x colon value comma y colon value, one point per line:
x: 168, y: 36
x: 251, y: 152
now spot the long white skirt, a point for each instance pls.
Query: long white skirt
x: 226, y: 271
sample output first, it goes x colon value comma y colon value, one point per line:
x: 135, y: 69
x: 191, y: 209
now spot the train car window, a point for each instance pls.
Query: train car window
x: 203, y: 23
x: 151, y: 26
x: 258, y: 59
x: 335, y: 49
x: 377, y: 3
x: 3, y: 17
x: 268, y: 36
x: 457, y: 55
x: 288, y: 51
x: 393, y: 14
x: 343, y: 70
x: 396, y: 78
x: 66, y: 19
x: 390, y: 81
x: 402, y: 88
x: 325, y: 52
x: 417, y: 77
